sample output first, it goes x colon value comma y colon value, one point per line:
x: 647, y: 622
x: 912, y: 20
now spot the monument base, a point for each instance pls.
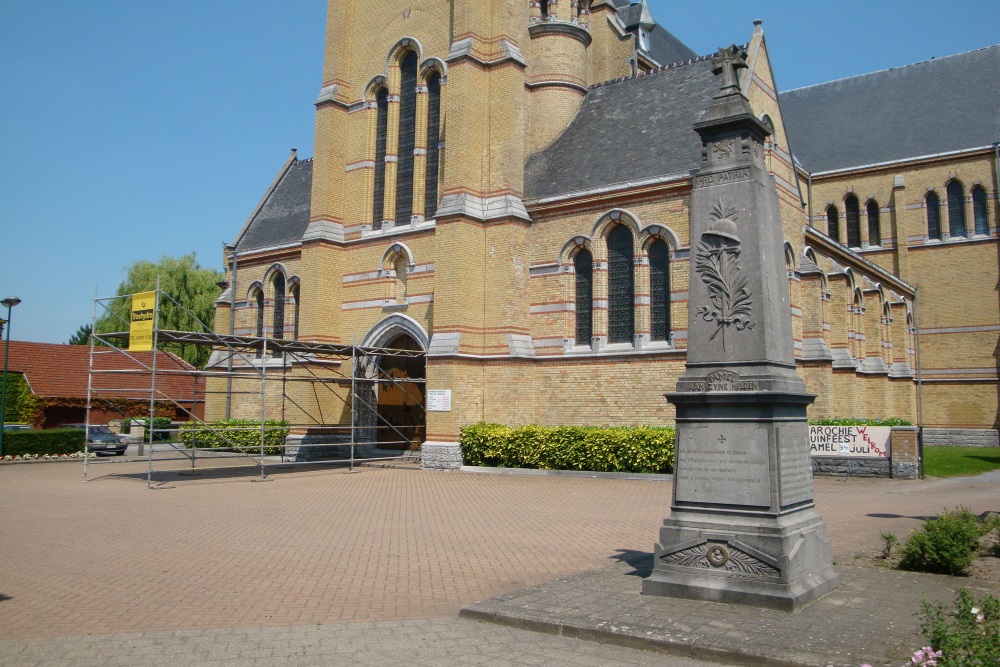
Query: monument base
x: 781, y: 562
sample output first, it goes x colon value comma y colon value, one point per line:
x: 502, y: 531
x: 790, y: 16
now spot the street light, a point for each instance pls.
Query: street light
x: 9, y: 302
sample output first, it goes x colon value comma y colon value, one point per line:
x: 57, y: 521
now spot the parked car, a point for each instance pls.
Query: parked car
x: 17, y: 427
x: 102, y: 439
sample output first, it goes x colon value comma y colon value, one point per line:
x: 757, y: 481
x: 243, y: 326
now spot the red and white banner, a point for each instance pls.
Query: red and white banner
x: 869, y: 442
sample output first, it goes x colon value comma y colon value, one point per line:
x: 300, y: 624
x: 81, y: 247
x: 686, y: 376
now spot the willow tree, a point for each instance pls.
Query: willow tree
x: 193, y: 287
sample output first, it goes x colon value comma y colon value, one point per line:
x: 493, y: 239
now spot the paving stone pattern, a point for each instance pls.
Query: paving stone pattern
x: 323, y: 546
x: 871, y: 617
x: 434, y: 643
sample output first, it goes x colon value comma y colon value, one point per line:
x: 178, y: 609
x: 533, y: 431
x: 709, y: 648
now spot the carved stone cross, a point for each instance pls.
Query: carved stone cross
x: 726, y: 63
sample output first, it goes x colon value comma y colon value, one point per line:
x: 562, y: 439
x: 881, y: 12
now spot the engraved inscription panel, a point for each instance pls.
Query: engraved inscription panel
x: 796, y: 466
x: 723, y: 464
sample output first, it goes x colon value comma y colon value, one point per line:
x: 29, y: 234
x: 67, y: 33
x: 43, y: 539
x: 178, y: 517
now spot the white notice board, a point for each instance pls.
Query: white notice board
x: 439, y: 400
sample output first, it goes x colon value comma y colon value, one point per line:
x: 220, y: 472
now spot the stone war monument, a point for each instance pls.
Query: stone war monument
x: 742, y: 526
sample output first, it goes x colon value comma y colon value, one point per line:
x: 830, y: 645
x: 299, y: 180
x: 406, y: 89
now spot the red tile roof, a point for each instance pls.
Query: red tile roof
x: 62, y: 370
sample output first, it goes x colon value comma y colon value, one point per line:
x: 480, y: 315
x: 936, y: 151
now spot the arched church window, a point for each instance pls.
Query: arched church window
x: 853, y: 216
x: 381, y: 127
x: 433, y: 142
x: 259, y: 302
x: 956, y: 209
x: 295, y: 317
x: 407, y: 137
x: 659, y: 291
x: 621, y: 286
x: 979, y: 212
x: 833, y: 223
x: 544, y: 5
x: 583, y: 266
x: 874, y: 230
x: 933, y: 216
x: 278, y: 316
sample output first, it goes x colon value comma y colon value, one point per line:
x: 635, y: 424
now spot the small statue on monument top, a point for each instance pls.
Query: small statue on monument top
x: 726, y: 63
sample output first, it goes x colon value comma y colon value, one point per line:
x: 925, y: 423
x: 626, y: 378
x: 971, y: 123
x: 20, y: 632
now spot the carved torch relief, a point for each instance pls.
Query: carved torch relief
x: 717, y: 264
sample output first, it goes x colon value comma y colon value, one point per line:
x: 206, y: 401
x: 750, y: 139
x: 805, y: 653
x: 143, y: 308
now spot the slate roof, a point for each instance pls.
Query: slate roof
x: 61, y: 371
x: 284, y: 215
x: 627, y: 130
x: 935, y: 106
x: 663, y: 45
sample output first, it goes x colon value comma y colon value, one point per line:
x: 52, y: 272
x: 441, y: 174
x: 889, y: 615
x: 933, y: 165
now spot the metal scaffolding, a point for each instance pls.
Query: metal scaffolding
x: 262, y: 363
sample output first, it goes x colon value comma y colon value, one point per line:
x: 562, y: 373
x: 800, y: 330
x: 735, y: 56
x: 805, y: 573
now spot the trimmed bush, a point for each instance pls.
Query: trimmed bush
x: 236, y: 434
x: 161, y: 426
x: 53, y: 441
x: 886, y: 421
x: 641, y: 449
x: 945, y: 545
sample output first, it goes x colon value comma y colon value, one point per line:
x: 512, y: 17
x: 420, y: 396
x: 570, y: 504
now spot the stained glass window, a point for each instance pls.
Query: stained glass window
x: 407, y: 137
x: 433, y: 140
x: 853, y: 216
x: 832, y: 223
x: 278, y: 317
x: 295, y: 321
x: 659, y: 291
x: 621, y: 286
x: 874, y: 230
x: 583, y: 264
x: 956, y: 209
x: 979, y: 211
x: 381, y: 125
x: 933, y: 216
x: 259, y: 297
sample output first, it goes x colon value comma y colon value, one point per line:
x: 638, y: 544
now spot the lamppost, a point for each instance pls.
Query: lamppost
x: 10, y: 302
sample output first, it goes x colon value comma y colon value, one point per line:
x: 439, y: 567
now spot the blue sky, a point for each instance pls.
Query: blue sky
x: 133, y: 129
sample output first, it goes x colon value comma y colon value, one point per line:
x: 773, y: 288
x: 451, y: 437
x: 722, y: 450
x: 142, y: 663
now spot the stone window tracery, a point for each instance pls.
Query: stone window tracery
x: 659, y: 291
x: 407, y: 137
x: 621, y: 286
x: 583, y: 266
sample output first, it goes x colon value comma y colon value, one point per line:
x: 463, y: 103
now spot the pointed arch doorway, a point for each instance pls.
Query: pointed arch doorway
x: 391, y: 392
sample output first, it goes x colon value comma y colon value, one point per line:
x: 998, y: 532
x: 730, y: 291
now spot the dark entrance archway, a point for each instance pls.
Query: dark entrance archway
x: 402, y: 423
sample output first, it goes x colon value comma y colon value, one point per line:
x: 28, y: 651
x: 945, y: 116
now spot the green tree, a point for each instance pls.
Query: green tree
x: 82, y: 336
x: 185, y: 281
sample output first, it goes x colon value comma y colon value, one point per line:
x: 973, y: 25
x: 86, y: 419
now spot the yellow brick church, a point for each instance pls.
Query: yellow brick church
x: 504, y: 187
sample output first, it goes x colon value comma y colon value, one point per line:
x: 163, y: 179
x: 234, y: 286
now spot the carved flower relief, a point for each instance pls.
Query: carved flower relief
x: 717, y: 263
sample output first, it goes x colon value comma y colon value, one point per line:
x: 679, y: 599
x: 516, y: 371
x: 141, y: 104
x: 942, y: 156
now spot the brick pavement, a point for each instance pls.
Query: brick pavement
x: 327, y: 546
x: 433, y: 642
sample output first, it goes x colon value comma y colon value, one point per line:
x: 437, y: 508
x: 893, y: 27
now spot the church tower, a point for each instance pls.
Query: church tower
x: 428, y: 112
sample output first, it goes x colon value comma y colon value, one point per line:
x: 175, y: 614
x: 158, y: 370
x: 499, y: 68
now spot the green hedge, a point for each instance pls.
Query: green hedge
x: 161, y: 426
x: 239, y: 434
x: 53, y: 441
x: 886, y: 421
x: 641, y: 449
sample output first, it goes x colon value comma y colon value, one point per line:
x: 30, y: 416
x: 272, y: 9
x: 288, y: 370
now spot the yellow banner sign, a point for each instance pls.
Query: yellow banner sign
x: 140, y: 333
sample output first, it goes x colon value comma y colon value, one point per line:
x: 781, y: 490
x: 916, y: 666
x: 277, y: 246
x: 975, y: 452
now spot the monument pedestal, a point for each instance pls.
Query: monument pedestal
x: 742, y: 526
